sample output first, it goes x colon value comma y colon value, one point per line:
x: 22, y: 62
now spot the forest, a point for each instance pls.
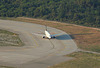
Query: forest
x: 81, y: 12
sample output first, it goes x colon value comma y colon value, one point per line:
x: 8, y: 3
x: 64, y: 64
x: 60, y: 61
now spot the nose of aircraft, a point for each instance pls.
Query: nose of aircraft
x: 49, y: 37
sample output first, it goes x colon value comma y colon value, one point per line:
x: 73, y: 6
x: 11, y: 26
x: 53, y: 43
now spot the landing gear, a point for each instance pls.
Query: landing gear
x: 53, y: 37
x: 43, y: 36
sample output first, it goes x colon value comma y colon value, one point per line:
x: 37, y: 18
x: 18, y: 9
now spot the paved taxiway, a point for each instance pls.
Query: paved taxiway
x: 37, y: 52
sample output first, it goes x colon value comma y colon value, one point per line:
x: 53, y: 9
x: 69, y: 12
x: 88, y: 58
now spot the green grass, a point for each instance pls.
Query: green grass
x: 82, y: 60
x: 5, y: 18
x: 9, y: 39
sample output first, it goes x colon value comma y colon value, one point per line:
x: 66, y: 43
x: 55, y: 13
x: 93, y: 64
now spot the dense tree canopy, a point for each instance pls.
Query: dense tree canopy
x: 82, y: 12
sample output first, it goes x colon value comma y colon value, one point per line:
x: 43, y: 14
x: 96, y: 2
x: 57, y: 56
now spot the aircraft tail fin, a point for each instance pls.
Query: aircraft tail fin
x: 46, y: 28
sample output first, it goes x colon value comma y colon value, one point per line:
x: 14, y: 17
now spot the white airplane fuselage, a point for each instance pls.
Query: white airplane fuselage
x: 47, y: 34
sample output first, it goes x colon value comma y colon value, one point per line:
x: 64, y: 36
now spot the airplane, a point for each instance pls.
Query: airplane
x: 48, y: 35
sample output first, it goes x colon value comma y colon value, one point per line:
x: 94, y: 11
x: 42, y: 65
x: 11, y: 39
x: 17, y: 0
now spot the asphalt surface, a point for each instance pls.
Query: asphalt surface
x: 37, y: 52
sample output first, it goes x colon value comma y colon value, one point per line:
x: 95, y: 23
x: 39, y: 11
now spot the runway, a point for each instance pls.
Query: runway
x: 37, y: 52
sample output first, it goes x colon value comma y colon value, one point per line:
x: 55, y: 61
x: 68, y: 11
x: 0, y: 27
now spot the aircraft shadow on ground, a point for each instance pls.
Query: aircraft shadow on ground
x: 63, y: 37
x: 66, y: 37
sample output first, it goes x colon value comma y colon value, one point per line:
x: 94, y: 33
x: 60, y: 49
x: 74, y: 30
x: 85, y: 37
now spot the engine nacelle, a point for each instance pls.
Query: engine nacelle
x: 43, y: 36
x: 53, y: 37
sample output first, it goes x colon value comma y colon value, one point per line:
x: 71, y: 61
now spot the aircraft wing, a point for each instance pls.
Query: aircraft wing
x: 38, y: 34
x: 56, y: 34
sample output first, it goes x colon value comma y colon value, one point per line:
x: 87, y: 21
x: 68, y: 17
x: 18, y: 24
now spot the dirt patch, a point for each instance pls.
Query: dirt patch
x: 9, y: 39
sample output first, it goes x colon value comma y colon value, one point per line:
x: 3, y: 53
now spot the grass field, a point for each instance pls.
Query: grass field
x: 9, y: 39
x: 82, y: 60
x: 86, y: 38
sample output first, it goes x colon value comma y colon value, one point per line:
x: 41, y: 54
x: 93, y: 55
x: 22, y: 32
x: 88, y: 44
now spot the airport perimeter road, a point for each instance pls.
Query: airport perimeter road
x: 37, y: 52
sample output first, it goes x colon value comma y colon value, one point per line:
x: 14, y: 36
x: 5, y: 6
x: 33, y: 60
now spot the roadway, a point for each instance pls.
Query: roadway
x: 37, y: 52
